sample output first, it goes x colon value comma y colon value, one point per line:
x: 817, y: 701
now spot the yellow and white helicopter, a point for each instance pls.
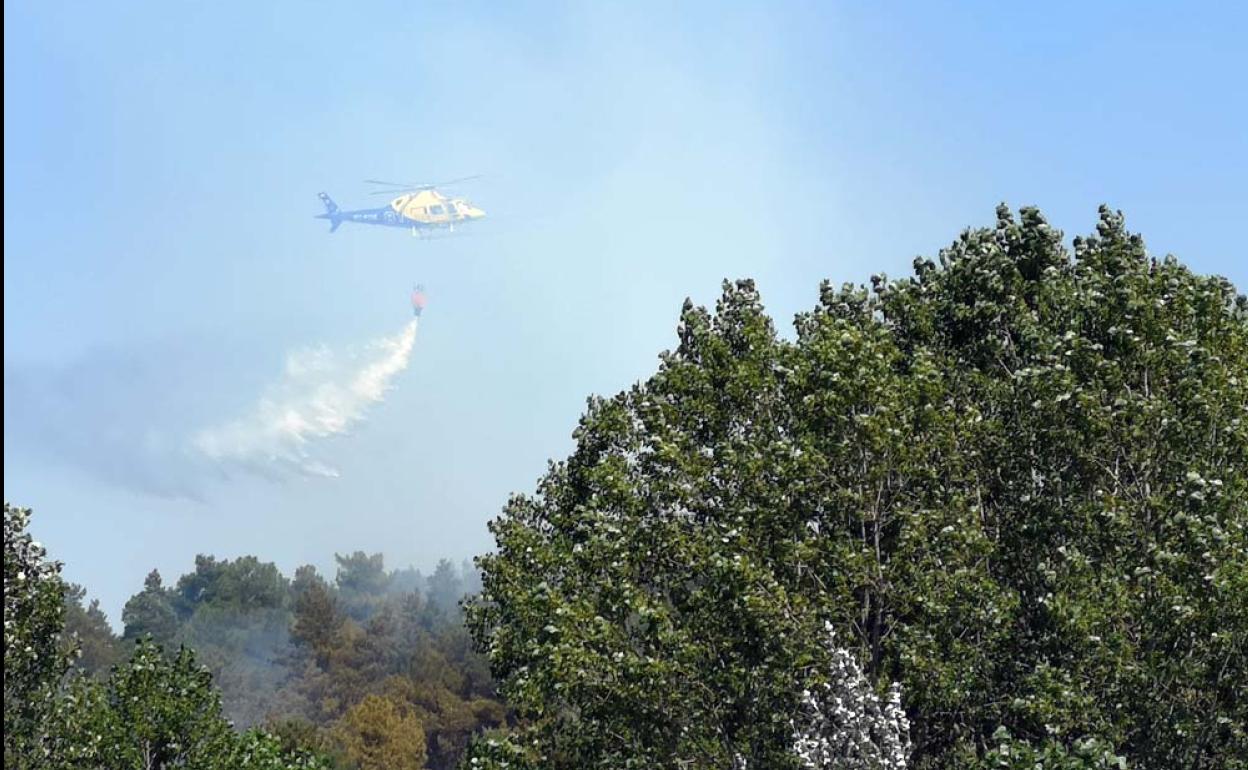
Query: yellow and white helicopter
x: 419, y: 207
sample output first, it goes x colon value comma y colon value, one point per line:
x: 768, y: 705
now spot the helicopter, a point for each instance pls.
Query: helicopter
x: 417, y: 206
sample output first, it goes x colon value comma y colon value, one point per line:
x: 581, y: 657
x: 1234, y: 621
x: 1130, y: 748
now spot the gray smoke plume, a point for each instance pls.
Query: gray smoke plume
x: 137, y: 419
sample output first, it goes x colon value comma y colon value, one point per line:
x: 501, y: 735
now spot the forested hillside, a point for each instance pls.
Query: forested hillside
x: 373, y: 655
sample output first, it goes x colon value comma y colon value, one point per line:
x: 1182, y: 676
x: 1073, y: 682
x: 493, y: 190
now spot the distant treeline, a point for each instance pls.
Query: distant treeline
x: 315, y: 660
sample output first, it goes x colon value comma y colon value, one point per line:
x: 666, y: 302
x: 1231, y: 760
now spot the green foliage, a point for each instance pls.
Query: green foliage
x: 362, y: 581
x: 245, y: 584
x: 317, y: 622
x: 1007, y: 753
x: 359, y: 638
x: 1015, y: 484
x: 297, y: 656
x: 379, y: 734
x: 151, y: 612
x: 88, y: 634
x: 152, y: 711
x: 258, y: 750
x: 156, y: 711
x: 501, y: 751
x: 234, y: 614
x: 35, y: 659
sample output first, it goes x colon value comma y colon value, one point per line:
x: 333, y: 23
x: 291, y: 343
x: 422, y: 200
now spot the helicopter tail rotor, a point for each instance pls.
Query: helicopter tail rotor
x: 331, y: 212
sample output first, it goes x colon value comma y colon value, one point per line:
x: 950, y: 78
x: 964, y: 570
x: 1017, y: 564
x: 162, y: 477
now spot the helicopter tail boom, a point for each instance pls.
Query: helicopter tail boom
x: 331, y: 212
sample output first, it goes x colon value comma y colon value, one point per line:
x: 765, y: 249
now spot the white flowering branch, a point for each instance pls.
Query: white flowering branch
x: 844, y: 725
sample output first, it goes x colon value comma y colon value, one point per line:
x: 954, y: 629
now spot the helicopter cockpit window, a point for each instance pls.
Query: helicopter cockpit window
x: 436, y: 210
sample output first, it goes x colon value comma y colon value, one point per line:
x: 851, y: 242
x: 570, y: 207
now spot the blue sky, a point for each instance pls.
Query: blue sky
x: 161, y: 165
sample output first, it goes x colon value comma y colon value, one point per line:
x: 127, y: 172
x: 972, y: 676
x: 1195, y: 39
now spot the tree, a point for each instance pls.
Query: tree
x: 445, y: 587
x: 1013, y: 483
x: 317, y: 622
x: 259, y: 750
x: 88, y: 633
x: 151, y: 612
x: 298, y: 655
x: 158, y: 711
x: 362, y: 582
x: 244, y: 584
x: 236, y: 616
x: 406, y: 581
x: 152, y: 711
x: 376, y: 734
x: 34, y: 658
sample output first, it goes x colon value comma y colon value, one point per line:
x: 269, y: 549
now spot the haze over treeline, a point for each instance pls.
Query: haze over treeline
x: 316, y: 661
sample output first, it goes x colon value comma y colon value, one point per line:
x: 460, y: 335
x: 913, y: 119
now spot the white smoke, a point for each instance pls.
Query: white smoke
x: 136, y: 417
x: 321, y: 394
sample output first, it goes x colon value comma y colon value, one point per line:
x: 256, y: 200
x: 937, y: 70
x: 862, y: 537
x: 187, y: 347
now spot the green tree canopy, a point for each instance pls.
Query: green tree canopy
x: 151, y: 612
x: 88, y: 633
x: 362, y: 573
x: 297, y: 655
x: 160, y: 711
x: 151, y: 712
x: 243, y: 584
x: 1015, y: 484
x: 362, y: 583
x: 34, y: 658
x: 378, y: 734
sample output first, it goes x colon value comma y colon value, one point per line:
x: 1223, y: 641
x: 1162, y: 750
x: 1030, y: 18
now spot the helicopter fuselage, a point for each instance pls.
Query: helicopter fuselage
x: 420, y: 212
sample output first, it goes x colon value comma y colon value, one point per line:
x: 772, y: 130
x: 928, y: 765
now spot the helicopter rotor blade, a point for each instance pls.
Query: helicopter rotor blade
x: 401, y: 190
x: 414, y: 186
x: 456, y: 181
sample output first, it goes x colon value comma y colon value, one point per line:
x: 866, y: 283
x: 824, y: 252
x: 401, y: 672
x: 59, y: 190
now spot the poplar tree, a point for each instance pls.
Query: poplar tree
x: 1014, y: 483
